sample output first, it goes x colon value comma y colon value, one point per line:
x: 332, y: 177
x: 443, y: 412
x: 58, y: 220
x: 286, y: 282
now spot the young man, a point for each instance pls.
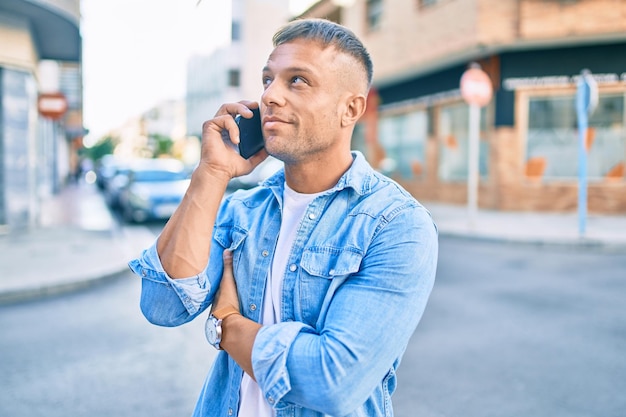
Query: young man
x: 323, y: 271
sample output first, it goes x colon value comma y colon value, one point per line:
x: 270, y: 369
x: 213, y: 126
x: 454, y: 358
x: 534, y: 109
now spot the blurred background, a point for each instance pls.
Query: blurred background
x: 87, y: 86
x: 101, y: 107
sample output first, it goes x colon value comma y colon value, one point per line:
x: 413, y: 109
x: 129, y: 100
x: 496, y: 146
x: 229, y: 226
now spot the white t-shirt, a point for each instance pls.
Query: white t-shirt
x: 252, y: 402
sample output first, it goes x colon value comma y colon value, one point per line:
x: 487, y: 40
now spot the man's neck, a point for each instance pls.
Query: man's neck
x: 317, y: 175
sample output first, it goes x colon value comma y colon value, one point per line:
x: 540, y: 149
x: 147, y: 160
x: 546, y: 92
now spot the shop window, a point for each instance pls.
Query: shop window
x: 17, y: 144
x: 454, y: 143
x: 234, y: 78
x: 403, y: 137
x: 553, y: 138
x: 374, y: 10
x: 235, y: 31
x: 358, y: 139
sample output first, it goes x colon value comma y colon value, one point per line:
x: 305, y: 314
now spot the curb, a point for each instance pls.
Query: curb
x: 109, y: 260
x: 50, y: 290
x: 579, y: 243
x: 132, y: 240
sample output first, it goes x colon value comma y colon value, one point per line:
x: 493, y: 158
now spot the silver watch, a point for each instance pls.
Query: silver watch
x: 213, y: 331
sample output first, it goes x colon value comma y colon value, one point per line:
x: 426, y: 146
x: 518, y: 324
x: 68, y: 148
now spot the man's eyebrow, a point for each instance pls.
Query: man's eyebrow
x: 291, y: 70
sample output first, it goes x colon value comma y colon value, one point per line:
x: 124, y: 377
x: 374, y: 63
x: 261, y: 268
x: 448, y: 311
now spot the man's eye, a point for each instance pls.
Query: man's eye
x: 298, y: 80
x: 266, y: 81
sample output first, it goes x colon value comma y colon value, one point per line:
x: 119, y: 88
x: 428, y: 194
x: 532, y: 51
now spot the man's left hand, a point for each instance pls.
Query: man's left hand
x: 227, y: 293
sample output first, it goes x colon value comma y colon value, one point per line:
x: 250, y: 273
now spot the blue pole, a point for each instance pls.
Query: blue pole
x: 583, y: 97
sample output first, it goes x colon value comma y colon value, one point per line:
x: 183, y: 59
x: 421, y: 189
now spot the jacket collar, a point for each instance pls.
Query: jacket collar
x: 359, y: 177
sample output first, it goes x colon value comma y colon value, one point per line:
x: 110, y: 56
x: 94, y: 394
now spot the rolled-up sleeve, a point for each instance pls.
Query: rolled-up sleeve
x: 166, y: 301
x: 269, y: 358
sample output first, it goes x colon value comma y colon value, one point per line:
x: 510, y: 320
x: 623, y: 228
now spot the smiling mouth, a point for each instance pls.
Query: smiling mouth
x: 269, y: 123
x: 271, y: 119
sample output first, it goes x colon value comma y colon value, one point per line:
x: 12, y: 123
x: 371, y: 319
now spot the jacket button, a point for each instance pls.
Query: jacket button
x: 265, y: 253
x: 293, y: 267
x: 252, y: 307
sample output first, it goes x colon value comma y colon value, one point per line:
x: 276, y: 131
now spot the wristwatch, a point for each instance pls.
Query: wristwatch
x: 213, y: 326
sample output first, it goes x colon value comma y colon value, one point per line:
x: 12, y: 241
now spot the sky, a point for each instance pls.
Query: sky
x: 135, y: 53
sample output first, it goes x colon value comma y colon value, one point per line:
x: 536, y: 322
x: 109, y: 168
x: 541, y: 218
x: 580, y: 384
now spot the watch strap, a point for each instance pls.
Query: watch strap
x: 224, y: 312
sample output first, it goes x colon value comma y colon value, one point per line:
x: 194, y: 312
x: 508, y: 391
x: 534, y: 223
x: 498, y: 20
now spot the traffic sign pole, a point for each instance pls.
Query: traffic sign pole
x: 476, y: 90
x: 582, y: 173
x: 586, y: 101
x: 472, y: 167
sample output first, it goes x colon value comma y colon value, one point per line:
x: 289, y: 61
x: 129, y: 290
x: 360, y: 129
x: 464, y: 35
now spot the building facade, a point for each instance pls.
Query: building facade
x: 233, y: 73
x: 40, y: 57
x: 534, y: 52
x: 139, y: 136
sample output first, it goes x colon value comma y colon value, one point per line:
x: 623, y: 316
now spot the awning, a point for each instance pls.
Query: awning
x: 56, y: 31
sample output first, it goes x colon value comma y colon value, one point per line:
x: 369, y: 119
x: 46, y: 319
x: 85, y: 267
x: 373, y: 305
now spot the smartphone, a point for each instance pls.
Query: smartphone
x: 250, y: 134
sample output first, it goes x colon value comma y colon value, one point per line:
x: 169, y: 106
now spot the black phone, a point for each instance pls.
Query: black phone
x: 250, y: 134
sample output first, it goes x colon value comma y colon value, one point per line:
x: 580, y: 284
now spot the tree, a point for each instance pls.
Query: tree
x: 104, y: 146
x: 161, y: 145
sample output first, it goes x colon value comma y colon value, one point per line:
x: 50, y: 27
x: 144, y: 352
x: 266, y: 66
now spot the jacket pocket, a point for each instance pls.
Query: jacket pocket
x: 323, y: 269
x: 230, y: 237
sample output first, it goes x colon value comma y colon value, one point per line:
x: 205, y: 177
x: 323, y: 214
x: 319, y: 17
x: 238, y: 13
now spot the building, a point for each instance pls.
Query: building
x: 139, y: 136
x: 40, y: 106
x: 534, y: 52
x: 233, y: 73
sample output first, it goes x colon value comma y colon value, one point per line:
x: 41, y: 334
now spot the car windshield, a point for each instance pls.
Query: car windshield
x: 158, y: 175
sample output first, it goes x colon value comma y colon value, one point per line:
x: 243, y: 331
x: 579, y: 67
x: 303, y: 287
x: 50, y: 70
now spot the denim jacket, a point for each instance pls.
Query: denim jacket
x: 357, y: 281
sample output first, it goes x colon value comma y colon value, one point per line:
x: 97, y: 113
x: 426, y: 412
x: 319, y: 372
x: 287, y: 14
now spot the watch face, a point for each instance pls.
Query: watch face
x: 212, y: 332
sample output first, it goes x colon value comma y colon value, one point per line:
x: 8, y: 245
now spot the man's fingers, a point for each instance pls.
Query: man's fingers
x: 227, y: 293
x: 227, y: 256
x: 241, y: 107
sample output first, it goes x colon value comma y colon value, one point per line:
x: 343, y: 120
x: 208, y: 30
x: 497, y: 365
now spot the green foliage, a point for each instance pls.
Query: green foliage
x: 104, y: 146
x: 161, y: 145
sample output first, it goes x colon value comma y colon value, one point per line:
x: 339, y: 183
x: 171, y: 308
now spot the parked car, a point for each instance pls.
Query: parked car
x: 153, y: 189
x: 105, y: 169
x: 114, y: 185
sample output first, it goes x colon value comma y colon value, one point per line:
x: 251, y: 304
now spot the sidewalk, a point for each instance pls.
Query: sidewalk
x: 79, y: 243
x: 602, y: 231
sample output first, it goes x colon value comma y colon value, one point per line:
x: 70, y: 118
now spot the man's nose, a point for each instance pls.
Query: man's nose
x: 273, y: 95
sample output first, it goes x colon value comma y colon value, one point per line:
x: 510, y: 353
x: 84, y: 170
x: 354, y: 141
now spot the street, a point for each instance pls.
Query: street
x: 510, y: 331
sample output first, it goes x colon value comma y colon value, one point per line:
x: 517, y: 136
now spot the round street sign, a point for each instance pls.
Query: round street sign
x: 476, y: 87
x: 52, y: 105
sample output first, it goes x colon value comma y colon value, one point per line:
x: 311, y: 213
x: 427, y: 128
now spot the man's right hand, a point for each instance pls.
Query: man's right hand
x: 185, y: 242
x: 220, y: 137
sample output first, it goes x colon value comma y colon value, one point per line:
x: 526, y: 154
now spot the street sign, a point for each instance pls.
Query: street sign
x: 476, y: 87
x: 52, y: 105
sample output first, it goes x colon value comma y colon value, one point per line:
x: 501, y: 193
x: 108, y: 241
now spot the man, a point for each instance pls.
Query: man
x: 323, y: 271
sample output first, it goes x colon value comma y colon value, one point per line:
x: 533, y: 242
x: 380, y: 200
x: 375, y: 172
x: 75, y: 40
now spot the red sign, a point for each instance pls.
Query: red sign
x: 476, y: 87
x: 52, y: 105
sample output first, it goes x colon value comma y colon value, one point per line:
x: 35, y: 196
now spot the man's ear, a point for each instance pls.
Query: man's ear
x: 354, y: 110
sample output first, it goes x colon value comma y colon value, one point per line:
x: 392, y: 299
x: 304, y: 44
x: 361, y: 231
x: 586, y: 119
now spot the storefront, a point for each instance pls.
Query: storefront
x: 529, y: 134
x: 34, y: 149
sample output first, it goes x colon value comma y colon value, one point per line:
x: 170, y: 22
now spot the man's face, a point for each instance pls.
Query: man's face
x: 303, y: 100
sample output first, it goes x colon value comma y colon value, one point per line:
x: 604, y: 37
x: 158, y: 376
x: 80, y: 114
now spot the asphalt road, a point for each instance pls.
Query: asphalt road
x: 510, y: 331
x: 93, y: 354
x: 519, y: 331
